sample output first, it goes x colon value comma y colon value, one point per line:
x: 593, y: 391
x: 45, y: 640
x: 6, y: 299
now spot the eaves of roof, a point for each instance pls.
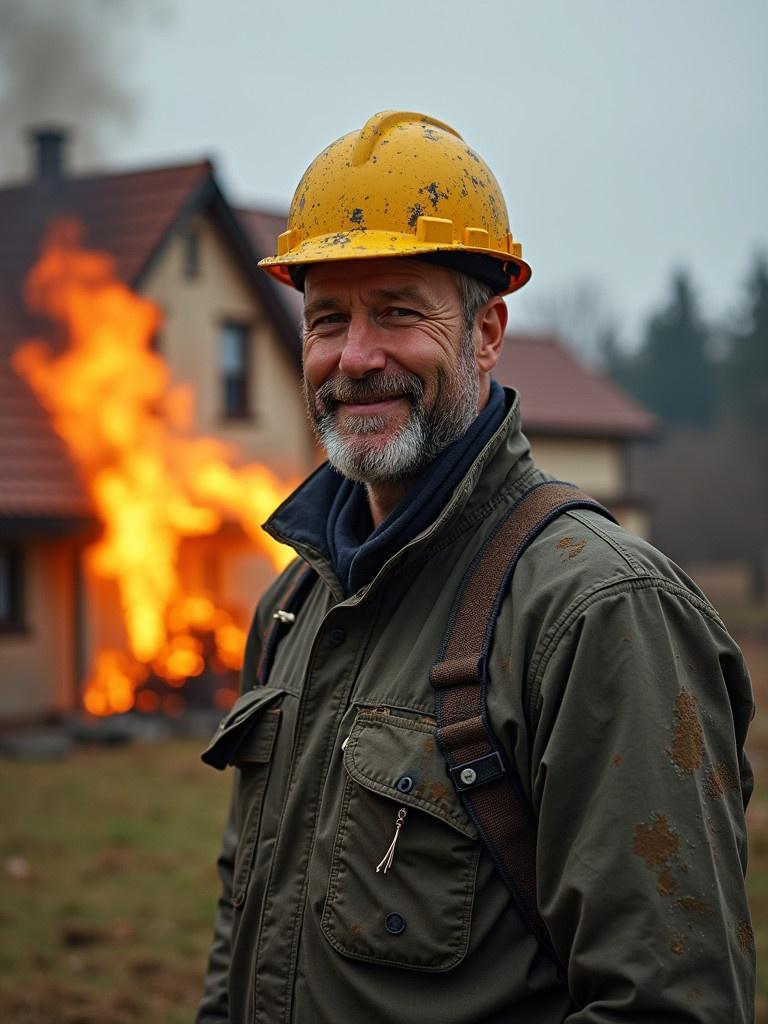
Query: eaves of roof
x: 560, y: 395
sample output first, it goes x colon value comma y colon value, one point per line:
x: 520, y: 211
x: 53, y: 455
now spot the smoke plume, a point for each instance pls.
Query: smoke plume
x: 67, y: 64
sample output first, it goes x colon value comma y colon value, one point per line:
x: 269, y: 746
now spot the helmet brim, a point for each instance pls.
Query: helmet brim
x: 362, y: 244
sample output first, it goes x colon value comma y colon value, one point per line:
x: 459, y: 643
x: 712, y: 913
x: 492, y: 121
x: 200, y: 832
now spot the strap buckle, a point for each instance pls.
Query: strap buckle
x: 476, y: 773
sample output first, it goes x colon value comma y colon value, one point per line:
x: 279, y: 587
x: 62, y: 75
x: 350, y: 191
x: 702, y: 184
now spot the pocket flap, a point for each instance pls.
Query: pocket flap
x: 247, y: 732
x: 399, y: 758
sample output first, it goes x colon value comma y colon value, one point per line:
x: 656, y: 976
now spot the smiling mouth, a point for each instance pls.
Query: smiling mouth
x: 378, y: 394
x: 372, y: 404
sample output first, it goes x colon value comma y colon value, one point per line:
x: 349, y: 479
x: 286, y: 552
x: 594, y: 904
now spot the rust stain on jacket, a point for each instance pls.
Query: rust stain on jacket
x: 745, y: 936
x: 687, y: 751
x: 573, y: 547
x: 693, y: 906
x: 719, y: 779
x: 657, y: 844
x: 438, y: 791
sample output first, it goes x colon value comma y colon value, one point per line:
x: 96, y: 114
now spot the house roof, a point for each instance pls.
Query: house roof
x: 131, y: 216
x: 559, y: 394
x: 263, y: 228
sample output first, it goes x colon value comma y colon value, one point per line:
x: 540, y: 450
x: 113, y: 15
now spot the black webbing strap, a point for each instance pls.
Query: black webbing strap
x: 300, y: 579
x: 480, y: 772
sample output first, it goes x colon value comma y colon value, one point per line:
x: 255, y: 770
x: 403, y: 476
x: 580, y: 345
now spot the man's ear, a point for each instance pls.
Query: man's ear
x: 490, y: 337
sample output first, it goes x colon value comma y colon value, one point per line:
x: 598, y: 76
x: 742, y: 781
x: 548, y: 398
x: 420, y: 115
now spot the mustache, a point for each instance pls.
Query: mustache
x: 375, y: 387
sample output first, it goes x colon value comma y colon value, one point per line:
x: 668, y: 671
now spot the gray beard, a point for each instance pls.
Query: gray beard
x: 425, y: 434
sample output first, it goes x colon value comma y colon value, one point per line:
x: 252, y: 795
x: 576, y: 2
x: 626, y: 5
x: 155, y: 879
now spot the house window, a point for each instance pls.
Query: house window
x: 156, y: 338
x: 191, y: 254
x: 11, y: 588
x: 234, y: 370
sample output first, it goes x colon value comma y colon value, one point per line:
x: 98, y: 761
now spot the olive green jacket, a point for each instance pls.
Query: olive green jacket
x: 623, y: 704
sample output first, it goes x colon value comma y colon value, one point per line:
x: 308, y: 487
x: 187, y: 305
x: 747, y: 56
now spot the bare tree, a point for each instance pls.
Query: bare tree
x: 581, y: 314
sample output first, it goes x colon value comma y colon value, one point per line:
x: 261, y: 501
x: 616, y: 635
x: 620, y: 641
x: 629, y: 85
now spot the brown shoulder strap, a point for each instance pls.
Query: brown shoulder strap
x: 477, y: 765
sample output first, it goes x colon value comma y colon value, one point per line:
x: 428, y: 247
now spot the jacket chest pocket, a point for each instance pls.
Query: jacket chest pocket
x: 245, y: 740
x: 417, y: 913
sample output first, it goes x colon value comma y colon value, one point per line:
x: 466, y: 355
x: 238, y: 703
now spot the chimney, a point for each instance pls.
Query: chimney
x: 48, y: 149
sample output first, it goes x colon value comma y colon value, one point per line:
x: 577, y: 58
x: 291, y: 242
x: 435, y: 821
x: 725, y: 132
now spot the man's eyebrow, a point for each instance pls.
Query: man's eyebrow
x: 404, y: 295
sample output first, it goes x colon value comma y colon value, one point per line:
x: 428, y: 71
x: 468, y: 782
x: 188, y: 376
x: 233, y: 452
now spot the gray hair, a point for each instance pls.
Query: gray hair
x: 473, y: 295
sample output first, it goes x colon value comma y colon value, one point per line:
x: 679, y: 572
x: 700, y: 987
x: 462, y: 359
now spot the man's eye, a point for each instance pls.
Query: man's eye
x: 401, y: 311
x: 328, y: 318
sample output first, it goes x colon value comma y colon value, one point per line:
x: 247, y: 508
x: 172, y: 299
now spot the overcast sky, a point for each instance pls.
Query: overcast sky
x: 629, y: 138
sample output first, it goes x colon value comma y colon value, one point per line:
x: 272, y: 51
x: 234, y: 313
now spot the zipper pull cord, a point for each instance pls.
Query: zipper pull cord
x: 389, y: 856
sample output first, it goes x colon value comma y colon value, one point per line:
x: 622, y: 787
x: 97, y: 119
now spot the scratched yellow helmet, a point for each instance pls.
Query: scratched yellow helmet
x: 404, y: 185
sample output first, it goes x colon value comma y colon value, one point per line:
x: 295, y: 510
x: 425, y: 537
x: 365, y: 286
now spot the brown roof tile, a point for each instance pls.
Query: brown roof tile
x: 559, y: 394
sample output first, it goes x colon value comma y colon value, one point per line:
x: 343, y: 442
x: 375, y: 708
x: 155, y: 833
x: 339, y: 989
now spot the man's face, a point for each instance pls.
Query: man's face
x: 390, y: 377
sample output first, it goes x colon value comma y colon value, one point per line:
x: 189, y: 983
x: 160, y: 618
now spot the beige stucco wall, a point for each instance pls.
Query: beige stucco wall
x: 277, y: 433
x: 636, y: 520
x: 37, y: 667
x: 595, y: 465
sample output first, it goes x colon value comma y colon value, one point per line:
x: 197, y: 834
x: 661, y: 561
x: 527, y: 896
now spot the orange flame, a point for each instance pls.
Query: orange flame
x: 152, y: 485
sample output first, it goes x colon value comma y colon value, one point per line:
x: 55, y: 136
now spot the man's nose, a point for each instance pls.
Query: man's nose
x: 362, y: 353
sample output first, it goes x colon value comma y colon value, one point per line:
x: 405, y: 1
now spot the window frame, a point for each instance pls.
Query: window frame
x: 190, y: 255
x: 243, y: 409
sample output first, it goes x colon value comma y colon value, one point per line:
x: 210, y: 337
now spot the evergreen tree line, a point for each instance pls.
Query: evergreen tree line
x: 697, y: 374
x: 705, y: 477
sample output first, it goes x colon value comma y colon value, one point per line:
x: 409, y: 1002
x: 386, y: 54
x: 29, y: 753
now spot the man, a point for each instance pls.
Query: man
x: 356, y: 886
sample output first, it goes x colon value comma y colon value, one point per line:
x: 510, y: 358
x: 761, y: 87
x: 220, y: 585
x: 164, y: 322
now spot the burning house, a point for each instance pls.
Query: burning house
x: 149, y: 420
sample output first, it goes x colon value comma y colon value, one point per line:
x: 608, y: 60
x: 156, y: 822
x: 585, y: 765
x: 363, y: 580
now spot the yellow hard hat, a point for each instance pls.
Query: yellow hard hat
x: 404, y: 185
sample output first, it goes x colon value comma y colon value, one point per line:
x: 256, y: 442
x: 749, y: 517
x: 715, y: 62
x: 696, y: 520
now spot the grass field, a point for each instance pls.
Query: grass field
x: 107, y: 887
